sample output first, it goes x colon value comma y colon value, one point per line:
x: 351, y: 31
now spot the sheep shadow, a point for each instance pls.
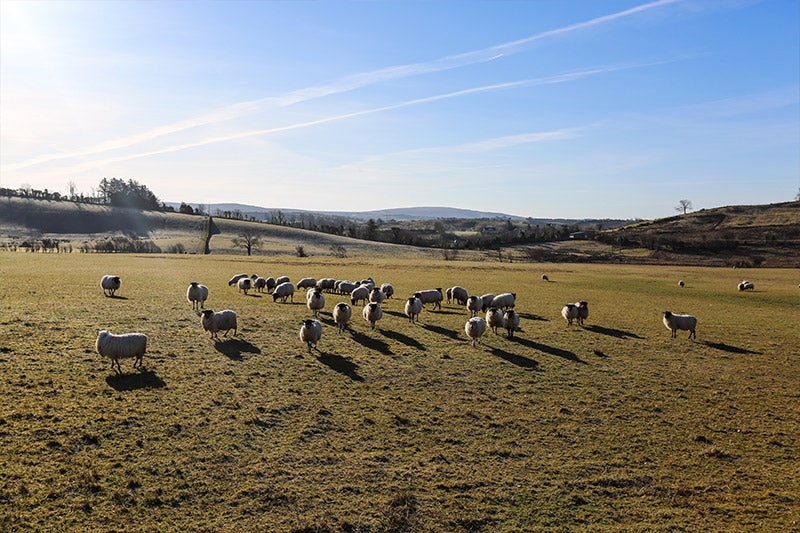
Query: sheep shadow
x: 144, y: 379
x: 531, y: 316
x: 443, y: 312
x: 515, y: 359
x: 611, y: 332
x: 405, y: 339
x: 115, y: 297
x: 234, y: 348
x: 373, y: 344
x: 730, y: 349
x: 340, y: 365
x: 395, y: 313
x: 442, y: 331
x: 552, y: 350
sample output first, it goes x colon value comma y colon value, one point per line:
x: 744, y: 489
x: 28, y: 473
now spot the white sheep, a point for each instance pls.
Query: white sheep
x: 474, y: 305
x: 681, y: 284
x: 372, y: 312
x: 413, y: 308
x: 197, y: 294
x: 282, y: 279
x: 216, y: 322
x: 245, y: 284
x: 675, y: 322
x: 387, y: 289
x: 475, y: 328
x: 360, y: 293
x: 505, y: 301
x: 448, y: 294
x: 746, y: 285
x: 369, y: 282
x: 306, y: 283
x: 431, y: 296
x: 376, y: 295
x: 494, y: 318
x: 578, y: 311
x: 511, y: 321
x: 110, y: 284
x: 342, y: 313
x: 236, y: 278
x: 326, y: 284
x: 315, y: 301
x: 459, y: 294
x: 345, y: 287
x: 283, y: 291
x: 487, y: 300
x: 310, y: 333
x: 117, y: 347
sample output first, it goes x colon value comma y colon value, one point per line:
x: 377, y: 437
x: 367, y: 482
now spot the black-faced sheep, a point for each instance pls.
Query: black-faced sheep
x: 306, y: 283
x: 413, y: 308
x: 216, y: 322
x: 377, y: 296
x: 494, y: 318
x: 746, y: 286
x: 236, y: 278
x: 475, y: 328
x: 459, y: 294
x: 197, y: 294
x: 315, y: 301
x: 310, y: 333
x: 283, y: 291
x: 110, y: 284
x: 342, y: 313
x: 372, y: 312
x: 511, y: 321
x: 117, y: 347
x: 578, y: 311
x: 244, y: 284
x: 387, y: 289
x: 431, y: 296
x: 675, y: 322
x: 507, y: 300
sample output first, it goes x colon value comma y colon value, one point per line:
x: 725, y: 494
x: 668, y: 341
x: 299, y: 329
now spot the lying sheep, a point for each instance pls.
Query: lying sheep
x: 117, y: 347
x: 494, y: 318
x: 110, y: 284
x: 413, y: 308
x: 315, y: 301
x: 342, y: 313
x: 360, y: 293
x: 372, y: 312
x: 459, y: 294
x: 545, y: 277
x: 216, y: 322
x: 283, y: 291
x: 474, y: 305
x: 387, y: 289
x: 244, y: 284
x: 197, y: 294
x: 431, y: 296
x: 681, y: 284
x: 675, y: 322
x: 236, y: 278
x: 746, y: 286
x: 377, y: 296
x: 475, y: 328
x: 511, y: 321
x: 578, y: 311
x: 507, y: 300
x: 310, y: 333
x: 306, y: 283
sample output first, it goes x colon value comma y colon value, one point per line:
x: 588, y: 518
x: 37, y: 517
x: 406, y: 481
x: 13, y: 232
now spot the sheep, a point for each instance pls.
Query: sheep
x: 110, y: 284
x: 282, y: 279
x: 459, y: 294
x: 448, y: 294
x: 345, y: 287
x: 216, y: 322
x: 578, y: 311
x: 359, y: 293
x: 511, y: 321
x: 475, y: 328
x: 310, y: 332
x: 372, y: 312
x: 376, y: 295
x: 369, y: 282
x: 117, y: 347
x: 245, y: 284
x: 271, y: 284
x: 746, y: 285
x: 487, y: 300
x: 413, y: 308
x: 342, y: 313
x: 681, y: 284
x: 197, y: 294
x: 505, y: 300
x: 306, y: 283
x: 545, y: 277
x: 326, y: 284
x: 474, y: 305
x: 387, y: 289
x: 494, y: 318
x: 315, y: 301
x: 675, y: 322
x: 283, y: 291
x: 259, y: 283
x: 236, y: 278
x: 431, y: 296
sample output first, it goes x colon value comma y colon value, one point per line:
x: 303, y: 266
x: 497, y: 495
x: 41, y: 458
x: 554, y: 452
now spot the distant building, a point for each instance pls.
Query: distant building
x: 577, y: 235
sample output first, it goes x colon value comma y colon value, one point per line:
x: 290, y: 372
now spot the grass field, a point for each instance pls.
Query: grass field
x: 610, y: 426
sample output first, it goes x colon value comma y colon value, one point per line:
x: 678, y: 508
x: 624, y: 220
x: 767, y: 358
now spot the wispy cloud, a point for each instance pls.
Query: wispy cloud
x: 344, y: 84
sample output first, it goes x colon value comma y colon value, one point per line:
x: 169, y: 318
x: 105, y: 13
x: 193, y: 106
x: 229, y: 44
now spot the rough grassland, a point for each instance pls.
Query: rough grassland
x: 611, y: 426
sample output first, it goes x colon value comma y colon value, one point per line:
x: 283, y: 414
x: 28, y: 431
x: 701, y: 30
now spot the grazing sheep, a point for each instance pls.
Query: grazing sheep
x: 110, y: 284
x: 413, y: 308
x: 474, y: 305
x: 431, y: 296
x: 475, y: 328
x: 315, y: 301
x: 271, y: 284
x: 342, y: 314
x: 681, y: 283
x: 345, y: 287
x: 117, y: 347
x: 283, y: 291
x: 369, y: 282
x: 387, y: 289
x: 372, y: 312
x: 245, y: 284
x: 326, y: 284
x: 360, y: 293
x: 505, y: 301
x: 487, y: 300
x: 459, y: 294
x: 259, y: 283
x: 236, y: 278
x: 545, y: 278
x: 675, y: 322
x: 197, y: 294
x: 310, y: 333
x: 306, y: 283
x: 282, y: 279
x: 376, y: 295
x: 511, y: 321
x: 578, y: 311
x: 216, y: 322
x: 494, y: 317
x: 746, y: 285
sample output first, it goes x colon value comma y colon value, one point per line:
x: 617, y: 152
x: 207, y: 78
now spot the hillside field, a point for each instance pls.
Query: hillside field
x: 609, y: 426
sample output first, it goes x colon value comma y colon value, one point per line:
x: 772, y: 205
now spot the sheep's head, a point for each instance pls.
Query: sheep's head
x: 667, y: 314
x: 207, y: 313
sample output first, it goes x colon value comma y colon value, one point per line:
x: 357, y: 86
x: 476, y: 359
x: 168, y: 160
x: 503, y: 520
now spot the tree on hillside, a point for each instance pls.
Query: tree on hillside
x: 120, y: 193
x: 248, y: 240
x: 684, y: 206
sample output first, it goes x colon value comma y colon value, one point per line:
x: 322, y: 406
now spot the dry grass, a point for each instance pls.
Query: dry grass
x: 610, y: 426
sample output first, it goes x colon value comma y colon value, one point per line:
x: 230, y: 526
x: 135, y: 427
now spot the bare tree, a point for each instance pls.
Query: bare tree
x: 684, y: 206
x: 247, y: 239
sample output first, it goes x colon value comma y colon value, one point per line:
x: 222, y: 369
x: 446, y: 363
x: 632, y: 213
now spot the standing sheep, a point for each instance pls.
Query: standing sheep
x: 110, y: 284
x: 459, y: 294
x: 244, y: 284
x: 511, y: 321
x: 342, y: 314
x: 376, y: 295
x: 197, y: 294
x: 475, y: 328
x: 578, y: 311
x: 283, y: 291
x: 271, y: 284
x: 746, y: 286
x: 372, y: 312
x: 310, y: 333
x: 507, y: 300
x: 474, y: 305
x: 216, y: 322
x: 306, y: 283
x: 431, y: 296
x: 413, y: 308
x: 360, y: 293
x: 259, y: 283
x: 675, y: 322
x: 117, y: 347
x: 487, y: 300
x: 494, y: 318
x: 315, y: 301
x: 236, y: 278
x: 681, y: 284
x: 387, y: 289
x: 282, y: 279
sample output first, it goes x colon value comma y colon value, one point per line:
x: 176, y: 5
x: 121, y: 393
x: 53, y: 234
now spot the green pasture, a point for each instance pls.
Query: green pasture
x: 611, y: 426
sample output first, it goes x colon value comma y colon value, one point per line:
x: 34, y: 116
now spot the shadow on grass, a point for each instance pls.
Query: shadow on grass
x: 531, y: 316
x: 446, y: 312
x: 728, y: 348
x: 340, y: 365
x: 115, y: 297
x: 442, y: 331
x: 141, y: 380
x: 618, y: 333
x: 234, y: 348
x: 373, y: 344
x: 552, y: 350
x: 395, y: 313
x: 515, y: 359
x: 405, y: 339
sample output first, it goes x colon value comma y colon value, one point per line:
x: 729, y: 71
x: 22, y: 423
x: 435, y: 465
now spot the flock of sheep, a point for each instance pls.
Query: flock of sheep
x: 499, y: 310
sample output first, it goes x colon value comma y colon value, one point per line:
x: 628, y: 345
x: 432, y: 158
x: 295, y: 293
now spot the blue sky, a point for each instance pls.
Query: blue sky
x: 562, y: 108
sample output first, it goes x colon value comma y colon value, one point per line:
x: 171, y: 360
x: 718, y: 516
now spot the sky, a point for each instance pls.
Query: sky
x: 536, y: 108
